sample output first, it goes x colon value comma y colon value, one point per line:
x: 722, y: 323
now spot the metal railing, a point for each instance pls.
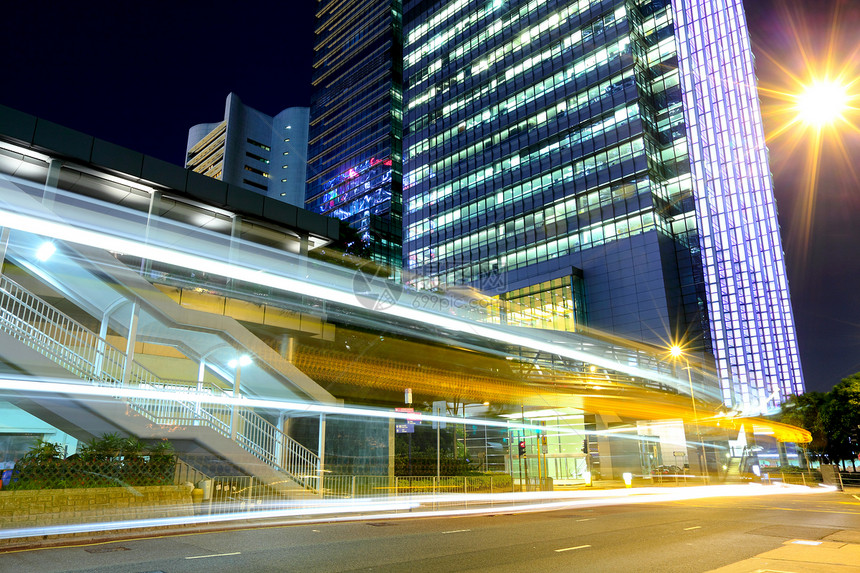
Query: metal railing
x: 231, y: 494
x: 808, y: 478
x: 850, y: 480
x: 57, y: 336
x: 184, y: 473
x: 369, y: 486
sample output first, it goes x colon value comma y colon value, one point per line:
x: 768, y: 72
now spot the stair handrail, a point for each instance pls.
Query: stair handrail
x: 20, y: 308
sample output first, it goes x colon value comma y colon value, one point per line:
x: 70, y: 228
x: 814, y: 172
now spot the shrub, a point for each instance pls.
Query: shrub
x: 104, y: 462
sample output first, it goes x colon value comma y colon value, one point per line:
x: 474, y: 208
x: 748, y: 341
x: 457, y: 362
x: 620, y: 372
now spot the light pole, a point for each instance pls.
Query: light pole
x: 677, y: 352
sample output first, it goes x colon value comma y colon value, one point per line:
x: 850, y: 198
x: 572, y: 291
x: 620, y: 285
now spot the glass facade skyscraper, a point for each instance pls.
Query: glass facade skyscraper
x: 601, y: 163
x: 354, y: 152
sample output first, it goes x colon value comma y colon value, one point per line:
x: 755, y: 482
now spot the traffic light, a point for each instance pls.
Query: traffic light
x: 522, y: 448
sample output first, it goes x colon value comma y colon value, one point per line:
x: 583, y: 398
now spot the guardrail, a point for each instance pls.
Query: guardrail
x: 231, y: 494
x: 82, y: 352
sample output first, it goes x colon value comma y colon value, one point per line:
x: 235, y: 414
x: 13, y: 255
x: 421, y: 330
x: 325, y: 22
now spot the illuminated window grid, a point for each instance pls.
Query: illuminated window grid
x: 486, y: 61
x: 550, y: 305
x: 415, y: 175
x: 557, y: 210
x: 594, y: 235
x: 609, y: 156
x: 589, y: 61
x: 518, y: 101
x: 600, y: 128
x: 541, y: 119
x: 525, y: 38
x: 751, y: 318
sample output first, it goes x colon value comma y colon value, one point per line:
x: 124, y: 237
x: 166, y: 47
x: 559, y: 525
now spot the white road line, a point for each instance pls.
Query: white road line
x: 854, y: 496
x: 588, y: 519
x: 692, y: 528
x: 215, y: 555
x: 571, y: 548
x: 455, y: 531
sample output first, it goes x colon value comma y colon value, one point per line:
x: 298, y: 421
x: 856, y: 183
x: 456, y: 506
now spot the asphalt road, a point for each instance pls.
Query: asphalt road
x: 687, y: 536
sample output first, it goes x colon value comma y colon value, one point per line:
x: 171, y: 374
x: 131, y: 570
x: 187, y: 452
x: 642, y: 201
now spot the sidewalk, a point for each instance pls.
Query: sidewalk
x: 836, y: 553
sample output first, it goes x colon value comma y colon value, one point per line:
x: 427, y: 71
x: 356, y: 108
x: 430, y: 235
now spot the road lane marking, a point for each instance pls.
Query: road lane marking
x: 455, y: 531
x: 587, y: 519
x: 692, y: 528
x: 854, y: 496
x: 807, y: 510
x: 571, y: 548
x: 215, y: 555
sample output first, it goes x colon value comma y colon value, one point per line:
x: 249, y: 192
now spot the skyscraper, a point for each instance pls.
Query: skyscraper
x: 601, y: 163
x: 253, y: 150
x: 355, y: 164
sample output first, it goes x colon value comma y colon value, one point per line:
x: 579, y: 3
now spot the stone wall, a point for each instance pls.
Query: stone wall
x: 39, y: 508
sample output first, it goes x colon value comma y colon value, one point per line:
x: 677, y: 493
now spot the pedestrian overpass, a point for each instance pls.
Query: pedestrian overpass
x: 182, y: 323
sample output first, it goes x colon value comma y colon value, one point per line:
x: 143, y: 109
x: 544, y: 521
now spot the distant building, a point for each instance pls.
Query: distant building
x: 251, y: 149
x: 601, y: 164
x: 354, y: 152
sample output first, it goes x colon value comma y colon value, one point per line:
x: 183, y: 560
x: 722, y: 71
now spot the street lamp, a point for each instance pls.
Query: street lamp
x: 677, y: 352
x: 822, y: 102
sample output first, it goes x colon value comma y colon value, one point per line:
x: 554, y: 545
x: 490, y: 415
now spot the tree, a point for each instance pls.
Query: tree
x: 804, y: 411
x: 833, y: 419
x: 840, y: 415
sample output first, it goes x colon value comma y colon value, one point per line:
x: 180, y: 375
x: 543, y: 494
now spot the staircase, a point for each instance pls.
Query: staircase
x: 225, y: 430
x: 736, y: 466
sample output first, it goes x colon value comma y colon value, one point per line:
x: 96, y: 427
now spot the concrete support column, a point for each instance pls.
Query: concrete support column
x: 51, y: 182
x: 234, y: 415
x: 287, y: 347
x: 235, y: 235
x: 98, y: 362
x: 4, y: 244
x: 201, y: 374
x: 783, y: 455
x: 391, y: 435
x: 321, y: 453
x: 154, y: 201
x: 304, y: 245
x: 282, y: 425
x: 130, y: 342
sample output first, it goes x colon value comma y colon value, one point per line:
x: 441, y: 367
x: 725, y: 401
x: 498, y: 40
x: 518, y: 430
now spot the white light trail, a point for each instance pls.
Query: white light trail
x: 107, y: 238
x: 330, y: 509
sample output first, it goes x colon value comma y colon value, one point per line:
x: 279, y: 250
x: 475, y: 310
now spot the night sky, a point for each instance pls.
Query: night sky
x: 140, y: 74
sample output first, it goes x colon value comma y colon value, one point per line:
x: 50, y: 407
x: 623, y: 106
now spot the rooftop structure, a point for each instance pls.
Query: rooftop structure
x: 250, y: 149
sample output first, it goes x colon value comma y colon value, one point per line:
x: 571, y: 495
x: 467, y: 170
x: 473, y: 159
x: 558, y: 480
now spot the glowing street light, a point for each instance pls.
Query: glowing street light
x: 822, y: 103
x: 45, y: 251
x: 243, y: 360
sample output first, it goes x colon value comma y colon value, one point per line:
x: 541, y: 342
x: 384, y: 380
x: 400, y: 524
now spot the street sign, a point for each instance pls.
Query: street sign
x: 407, y: 428
x: 412, y: 419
